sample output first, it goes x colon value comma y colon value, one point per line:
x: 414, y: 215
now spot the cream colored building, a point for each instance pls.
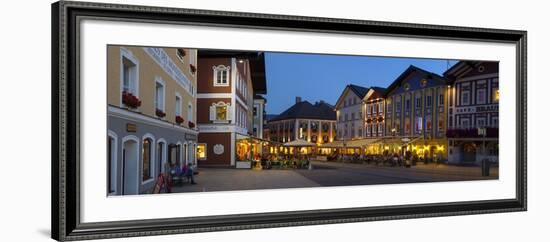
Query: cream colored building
x: 151, y: 107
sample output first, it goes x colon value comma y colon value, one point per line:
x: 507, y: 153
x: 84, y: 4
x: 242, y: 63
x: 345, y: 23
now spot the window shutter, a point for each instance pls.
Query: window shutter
x: 212, y: 113
x: 229, y: 114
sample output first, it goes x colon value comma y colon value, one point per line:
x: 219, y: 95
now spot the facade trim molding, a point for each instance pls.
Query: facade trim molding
x: 123, y: 113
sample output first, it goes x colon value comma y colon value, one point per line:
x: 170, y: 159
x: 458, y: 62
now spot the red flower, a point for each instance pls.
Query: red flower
x: 193, y: 68
x: 130, y: 100
x: 181, y: 52
x: 179, y: 119
x: 191, y: 124
x: 160, y: 113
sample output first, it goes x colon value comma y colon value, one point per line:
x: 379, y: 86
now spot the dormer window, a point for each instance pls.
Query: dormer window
x: 221, y: 75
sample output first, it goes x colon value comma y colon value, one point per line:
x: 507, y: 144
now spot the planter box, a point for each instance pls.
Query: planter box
x: 243, y: 165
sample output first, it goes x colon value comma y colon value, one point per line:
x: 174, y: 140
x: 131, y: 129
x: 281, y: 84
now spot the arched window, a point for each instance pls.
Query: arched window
x: 146, y: 157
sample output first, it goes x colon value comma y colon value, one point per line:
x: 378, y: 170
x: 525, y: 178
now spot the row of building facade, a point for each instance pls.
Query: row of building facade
x: 173, y: 106
x: 451, y: 117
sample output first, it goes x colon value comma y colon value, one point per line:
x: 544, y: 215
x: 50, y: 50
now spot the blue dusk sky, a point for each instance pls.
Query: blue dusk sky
x: 323, y: 77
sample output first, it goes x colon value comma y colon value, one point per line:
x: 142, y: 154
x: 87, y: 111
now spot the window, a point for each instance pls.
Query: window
x: 481, y: 96
x: 480, y: 123
x: 255, y: 111
x: 465, y: 98
x: 496, y: 95
x: 190, y: 112
x: 346, y: 117
x: 352, y: 116
x: 192, y: 57
x: 159, y: 95
x: 441, y: 99
x: 129, y: 75
x: 178, y: 105
x: 398, y: 107
x: 380, y: 127
x: 381, y: 108
x: 375, y: 108
x: 201, y: 151
x: 407, y: 105
x: 417, y: 103
x: 146, y: 159
x: 221, y: 74
x: 494, y: 121
x: 220, y: 112
x: 465, y: 123
x: 428, y: 101
x: 368, y: 109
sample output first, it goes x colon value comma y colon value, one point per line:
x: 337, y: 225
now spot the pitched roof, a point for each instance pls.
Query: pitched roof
x: 358, y: 90
x: 380, y: 90
x: 410, y: 70
x: 306, y: 110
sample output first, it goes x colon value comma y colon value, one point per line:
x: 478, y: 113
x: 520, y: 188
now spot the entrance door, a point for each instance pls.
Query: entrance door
x: 130, y: 167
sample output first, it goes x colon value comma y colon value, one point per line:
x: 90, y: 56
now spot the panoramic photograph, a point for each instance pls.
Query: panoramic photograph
x: 183, y: 120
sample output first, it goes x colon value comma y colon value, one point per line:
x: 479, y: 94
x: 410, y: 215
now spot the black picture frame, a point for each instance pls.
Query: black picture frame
x: 66, y: 224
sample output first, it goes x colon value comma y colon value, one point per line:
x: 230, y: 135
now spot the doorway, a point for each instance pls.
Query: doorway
x: 130, y: 160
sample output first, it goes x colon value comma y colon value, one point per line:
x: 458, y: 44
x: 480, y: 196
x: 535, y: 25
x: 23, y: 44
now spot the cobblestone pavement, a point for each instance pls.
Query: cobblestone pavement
x: 327, y: 174
x: 345, y: 174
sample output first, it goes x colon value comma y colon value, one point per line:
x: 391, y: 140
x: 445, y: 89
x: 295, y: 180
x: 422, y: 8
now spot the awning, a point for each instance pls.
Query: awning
x: 299, y: 143
x: 357, y: 143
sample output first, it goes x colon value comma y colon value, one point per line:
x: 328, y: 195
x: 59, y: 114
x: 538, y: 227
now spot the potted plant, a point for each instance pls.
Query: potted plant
x: 179, y: 119
x: 130, y: 100
x: 160, y: 113
x: 193, y: 68
x: 191, y: 124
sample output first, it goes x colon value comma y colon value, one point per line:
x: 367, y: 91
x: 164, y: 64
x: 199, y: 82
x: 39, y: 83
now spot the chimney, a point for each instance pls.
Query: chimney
x: 298, y: 99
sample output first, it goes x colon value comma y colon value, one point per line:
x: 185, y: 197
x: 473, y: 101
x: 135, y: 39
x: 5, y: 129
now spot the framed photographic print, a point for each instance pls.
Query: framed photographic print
x: 169, y: 120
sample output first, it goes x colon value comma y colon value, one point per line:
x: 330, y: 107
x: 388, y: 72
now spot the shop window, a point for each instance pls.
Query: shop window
x: 146, y: 159
x: 160, y: 155
x: 221, y: 74
x: 201, y: 151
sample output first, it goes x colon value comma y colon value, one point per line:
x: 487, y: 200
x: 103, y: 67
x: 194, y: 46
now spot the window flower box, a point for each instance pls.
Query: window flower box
x: 160, y: 113
x: 191, y: 124
x: 179, y: 119
x: 130, y: 100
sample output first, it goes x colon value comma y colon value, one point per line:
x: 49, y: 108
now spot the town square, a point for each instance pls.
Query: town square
x: 193, y: 120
